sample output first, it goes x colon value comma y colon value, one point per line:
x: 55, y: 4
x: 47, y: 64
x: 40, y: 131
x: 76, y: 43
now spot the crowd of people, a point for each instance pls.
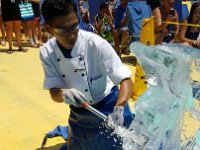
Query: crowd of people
x: 111, y: 23
x: 11, y: 22
x: 187, y: 33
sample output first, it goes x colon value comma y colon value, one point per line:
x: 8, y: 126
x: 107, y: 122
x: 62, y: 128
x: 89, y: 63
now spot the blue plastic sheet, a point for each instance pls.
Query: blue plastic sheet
x: 137, y: 11
x: 181, y: 9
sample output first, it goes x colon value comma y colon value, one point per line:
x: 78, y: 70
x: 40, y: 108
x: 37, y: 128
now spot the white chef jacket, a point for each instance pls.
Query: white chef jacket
x: 93, y: 69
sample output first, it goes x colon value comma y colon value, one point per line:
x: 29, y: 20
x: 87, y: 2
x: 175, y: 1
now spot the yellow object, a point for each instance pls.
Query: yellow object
x: 188, y: 5
x: 140, y: 83
x: 147, y: 32
x: 180, y: 24
x: 147, y: 38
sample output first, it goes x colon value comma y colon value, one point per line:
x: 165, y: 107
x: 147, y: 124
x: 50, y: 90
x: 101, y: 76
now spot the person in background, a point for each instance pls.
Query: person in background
x: 36, y: 25
x: 45, y: 35
x: 28, y: 28
x: 77, y: 4
x: 112, y: 7
x: 11, y: 17
x: 188, y: 35
x: 82, y: 9
x: 86, y: 20
x: 85, y: 15
x: 80, y: 66
x: 104, y: 26
x: 165, y: 32
x: 2, y: 28
x: 121, y: 24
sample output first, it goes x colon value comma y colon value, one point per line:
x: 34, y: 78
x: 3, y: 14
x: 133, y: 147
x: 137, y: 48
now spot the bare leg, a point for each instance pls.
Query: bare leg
x: 35, y: 28
x: 116, y: 40
x: 25, y: 31
x: 17, y: 30
x: 9, y: 28
x: 2, y: 28
x: 125, y: 42
x: 30, y: 32
x: 125, y: 38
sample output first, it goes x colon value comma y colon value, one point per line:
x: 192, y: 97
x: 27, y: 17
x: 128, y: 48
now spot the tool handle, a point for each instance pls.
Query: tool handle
x: 93, y: 110
x: 96, y: 112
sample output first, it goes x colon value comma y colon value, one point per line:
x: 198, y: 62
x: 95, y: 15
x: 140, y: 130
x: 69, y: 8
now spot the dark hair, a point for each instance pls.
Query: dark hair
x: 54, y: 8
x: 192, y: 10
x: 103, y: 5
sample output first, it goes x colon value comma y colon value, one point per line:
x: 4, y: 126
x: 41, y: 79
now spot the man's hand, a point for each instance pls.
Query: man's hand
x: 73, y: 97
x: 116, y: 118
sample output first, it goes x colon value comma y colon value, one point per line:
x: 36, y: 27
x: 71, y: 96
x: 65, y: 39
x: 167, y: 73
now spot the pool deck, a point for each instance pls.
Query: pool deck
x: 27, y: 112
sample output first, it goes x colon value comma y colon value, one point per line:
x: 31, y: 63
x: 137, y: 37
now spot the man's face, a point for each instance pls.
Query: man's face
x: 65, y: 29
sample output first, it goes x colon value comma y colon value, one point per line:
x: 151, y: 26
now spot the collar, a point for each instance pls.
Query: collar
x: 79, y: 47
x: 65, y: 52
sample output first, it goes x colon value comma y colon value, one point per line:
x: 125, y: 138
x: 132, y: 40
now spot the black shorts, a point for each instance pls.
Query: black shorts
x: 36, y: 9
x: 10, y: 11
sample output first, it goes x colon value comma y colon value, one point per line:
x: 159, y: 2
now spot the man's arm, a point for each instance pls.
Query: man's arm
x: 125, y: 92
x: 116, y: 118
x: 56, y: 95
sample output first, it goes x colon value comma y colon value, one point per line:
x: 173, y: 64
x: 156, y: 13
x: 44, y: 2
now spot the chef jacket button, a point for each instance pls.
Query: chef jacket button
x: 86, y: 90
x: 83, y: 75
x: 91, y: 102
x: 58, y: 59
x: 80, y: 58
x: 63, y: 75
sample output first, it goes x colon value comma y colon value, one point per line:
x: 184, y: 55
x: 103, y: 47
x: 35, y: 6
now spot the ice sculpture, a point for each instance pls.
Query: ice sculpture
x: 159, y: 111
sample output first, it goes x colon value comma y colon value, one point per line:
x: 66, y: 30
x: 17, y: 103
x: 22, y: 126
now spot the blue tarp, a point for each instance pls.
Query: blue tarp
x: 181, y: 9
x: 137, y: 11
x: 61, y: 131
